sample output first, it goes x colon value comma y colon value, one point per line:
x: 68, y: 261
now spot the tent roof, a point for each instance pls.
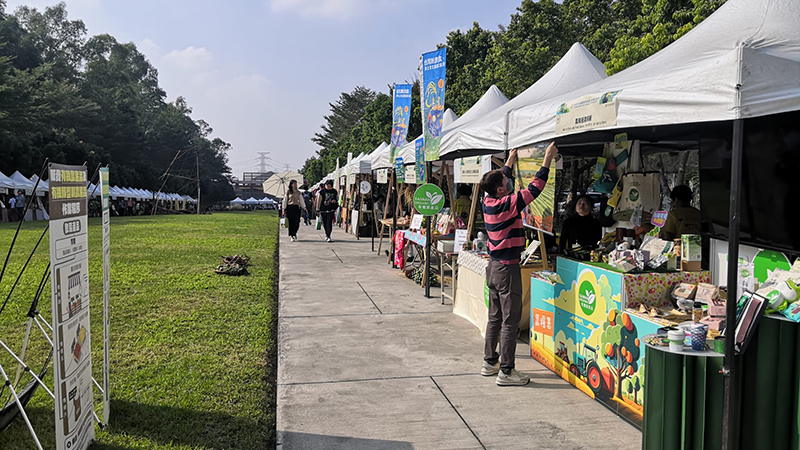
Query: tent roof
x: 380, y: 158
x: 492, y: 99
x: 577, y: 68
x: 754, y: 44
x: 6, y: 182
x: 448, y: 118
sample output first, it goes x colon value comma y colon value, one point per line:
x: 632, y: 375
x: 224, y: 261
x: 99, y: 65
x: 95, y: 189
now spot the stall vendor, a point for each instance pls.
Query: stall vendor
x: 682, y: 218
x: 581, y: 229
x: 463, y: 203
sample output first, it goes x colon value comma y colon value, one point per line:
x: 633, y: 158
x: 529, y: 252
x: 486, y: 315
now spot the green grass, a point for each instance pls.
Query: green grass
x: 192, y: 353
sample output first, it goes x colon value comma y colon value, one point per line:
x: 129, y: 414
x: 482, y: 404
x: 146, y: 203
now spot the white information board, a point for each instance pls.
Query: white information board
x: 69, y: 268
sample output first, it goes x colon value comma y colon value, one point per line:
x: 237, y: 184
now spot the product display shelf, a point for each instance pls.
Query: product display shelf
x: 683, y: 394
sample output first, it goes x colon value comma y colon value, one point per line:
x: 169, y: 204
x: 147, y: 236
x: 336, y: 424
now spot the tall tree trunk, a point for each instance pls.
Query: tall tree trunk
x: 684, y: 159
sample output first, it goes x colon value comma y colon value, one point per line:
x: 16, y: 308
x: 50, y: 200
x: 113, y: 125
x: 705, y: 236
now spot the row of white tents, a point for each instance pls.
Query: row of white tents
x: 743, y: 61
x: 17, y: 182
x: 253, y: 201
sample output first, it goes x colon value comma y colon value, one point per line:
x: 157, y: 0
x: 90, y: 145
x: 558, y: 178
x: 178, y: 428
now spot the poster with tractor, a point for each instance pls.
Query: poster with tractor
x: 593, y: 343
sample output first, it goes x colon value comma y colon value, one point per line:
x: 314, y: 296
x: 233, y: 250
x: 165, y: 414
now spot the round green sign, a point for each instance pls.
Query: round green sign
x: 428, y: 199
x: 587, y: 298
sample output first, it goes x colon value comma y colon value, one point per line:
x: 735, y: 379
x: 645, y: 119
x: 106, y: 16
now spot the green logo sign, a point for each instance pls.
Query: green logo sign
x: 587, y: 298
x: 428, y: 199
x: 634, y: 195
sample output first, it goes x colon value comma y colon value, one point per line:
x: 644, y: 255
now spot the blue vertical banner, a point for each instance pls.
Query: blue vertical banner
x: 419, y: 153
x: 401, y: 113
x: 399, y: 172
x: 432, y: 96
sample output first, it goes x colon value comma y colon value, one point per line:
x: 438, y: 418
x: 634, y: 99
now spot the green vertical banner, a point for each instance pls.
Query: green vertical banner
x: 401, y: 113
x: 432, y: 96
x: 419, y: 163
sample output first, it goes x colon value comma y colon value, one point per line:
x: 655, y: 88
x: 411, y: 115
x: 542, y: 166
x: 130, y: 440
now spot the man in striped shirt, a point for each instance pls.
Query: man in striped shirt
x: 501, y: 212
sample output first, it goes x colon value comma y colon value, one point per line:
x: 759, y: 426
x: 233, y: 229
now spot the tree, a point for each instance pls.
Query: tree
x: 620, y: 347
x: 346, y: 111
x: 658, y: 24
x: 466, y: 65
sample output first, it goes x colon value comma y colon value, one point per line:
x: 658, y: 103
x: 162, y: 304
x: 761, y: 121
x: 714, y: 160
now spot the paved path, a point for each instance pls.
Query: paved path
x: 367, y: 362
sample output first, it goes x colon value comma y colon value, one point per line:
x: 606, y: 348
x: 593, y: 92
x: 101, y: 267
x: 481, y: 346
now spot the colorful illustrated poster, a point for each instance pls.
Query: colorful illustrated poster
x: 104, y: 187
x: 433, y: 84
x: 401, y: 113
x: 592, y: 342
x: 69, y: 268
x: 538, y: 214
x: 419, y: 163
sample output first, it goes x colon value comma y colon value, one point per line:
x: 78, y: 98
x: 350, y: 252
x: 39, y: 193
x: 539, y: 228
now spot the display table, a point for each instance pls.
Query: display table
x: 580, y: 328
x: 472, y: 294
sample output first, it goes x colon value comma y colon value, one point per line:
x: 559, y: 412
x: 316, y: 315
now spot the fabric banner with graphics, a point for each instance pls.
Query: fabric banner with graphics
x: 399, y: 171
x: 419, y: 163
x: 539, y: 214
x: 72, y: 337
x: 401, y: 113
x: 433, y: 87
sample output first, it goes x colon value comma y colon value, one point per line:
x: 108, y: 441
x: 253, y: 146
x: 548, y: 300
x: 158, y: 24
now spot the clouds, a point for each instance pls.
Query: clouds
x: 190, y: 59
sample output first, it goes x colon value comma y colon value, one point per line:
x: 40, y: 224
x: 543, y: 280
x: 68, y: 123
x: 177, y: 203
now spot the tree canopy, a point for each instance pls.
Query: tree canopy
x: 75, y: 98
x: 620, y: 33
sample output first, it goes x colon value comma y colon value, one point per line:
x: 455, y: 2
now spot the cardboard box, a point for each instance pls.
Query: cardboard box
x: 685, y: 290
x: 691, y: 266
x: 707, y: 293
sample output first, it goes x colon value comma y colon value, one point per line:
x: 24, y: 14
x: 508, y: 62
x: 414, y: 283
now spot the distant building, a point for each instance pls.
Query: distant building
x: 251, y: 185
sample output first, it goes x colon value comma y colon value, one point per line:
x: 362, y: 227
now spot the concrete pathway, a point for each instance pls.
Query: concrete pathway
x: 367, y: 362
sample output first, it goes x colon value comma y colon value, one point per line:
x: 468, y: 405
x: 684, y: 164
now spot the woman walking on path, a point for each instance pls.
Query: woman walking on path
x: 327, y: 202
x: 292, y: 204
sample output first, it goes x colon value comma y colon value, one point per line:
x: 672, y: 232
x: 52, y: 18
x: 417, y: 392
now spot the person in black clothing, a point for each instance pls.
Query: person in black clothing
x: 327, y: 203
x: 581, y: 229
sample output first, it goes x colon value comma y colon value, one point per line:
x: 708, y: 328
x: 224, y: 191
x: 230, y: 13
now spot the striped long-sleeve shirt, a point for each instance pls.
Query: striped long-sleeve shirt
x: 503, y: 219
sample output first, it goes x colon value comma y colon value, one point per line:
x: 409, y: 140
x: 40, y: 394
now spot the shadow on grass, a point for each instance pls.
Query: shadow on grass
x: 166, y: 425
x: 291, y: 440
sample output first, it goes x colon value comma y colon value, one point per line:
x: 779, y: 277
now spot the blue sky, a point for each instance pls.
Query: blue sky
x: 262, y: 72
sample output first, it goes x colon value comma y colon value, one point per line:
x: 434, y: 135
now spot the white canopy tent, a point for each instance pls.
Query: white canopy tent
x: 380, y: 158
x: 408, y: 151
x: 5, y: 182
x: 20, y: 182
x: 237, y: 201
x: 251, y: 201
x: 743, y: 61
x: 492, y: 99
x: 486, y: 134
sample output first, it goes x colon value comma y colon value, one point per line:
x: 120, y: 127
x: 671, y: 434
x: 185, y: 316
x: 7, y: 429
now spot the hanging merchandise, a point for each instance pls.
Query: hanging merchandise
x: 638, y: 189
x: 607, y: 178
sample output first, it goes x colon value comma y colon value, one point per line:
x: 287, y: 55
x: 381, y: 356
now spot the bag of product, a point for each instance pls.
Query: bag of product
x: 638, y: 189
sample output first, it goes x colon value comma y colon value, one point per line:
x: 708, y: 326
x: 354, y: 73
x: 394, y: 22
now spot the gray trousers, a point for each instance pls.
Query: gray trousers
x: 505, y: 312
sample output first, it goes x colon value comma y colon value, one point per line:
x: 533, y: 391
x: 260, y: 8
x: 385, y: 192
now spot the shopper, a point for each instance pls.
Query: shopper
x: 501, y: 212
x: 20, y: 205
x: 309, y: 207
x: 293, y: 205
x: 327, y: 202
x: 682, y: 218
x: 12, y: 209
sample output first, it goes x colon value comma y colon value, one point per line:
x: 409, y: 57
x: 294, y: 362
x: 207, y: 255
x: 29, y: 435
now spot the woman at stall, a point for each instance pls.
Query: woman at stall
x: 581, y: 229
x: 293, y: 203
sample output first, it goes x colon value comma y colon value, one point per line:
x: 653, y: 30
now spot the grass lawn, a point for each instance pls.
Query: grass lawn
x: 192, y: 353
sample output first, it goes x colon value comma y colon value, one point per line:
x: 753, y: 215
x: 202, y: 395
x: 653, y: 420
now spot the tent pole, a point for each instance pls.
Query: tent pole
x: 428, y: 241
x: 394, y: 218
x: 731, y: 405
